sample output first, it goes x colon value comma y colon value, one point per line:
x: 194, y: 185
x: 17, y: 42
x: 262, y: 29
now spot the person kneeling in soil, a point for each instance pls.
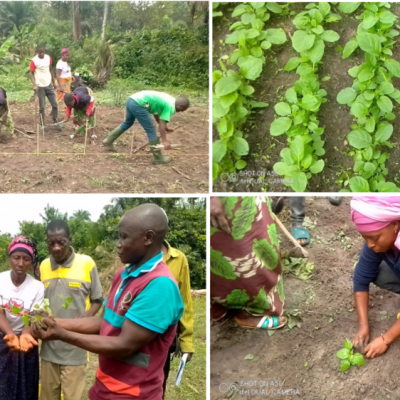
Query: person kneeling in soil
x: 138, y: 324
x: 251, y: 281
x: 377, y: 219
x: 82, y: 101
x: 19, y: 355
x: 5, y: 114
x: 139, y: 106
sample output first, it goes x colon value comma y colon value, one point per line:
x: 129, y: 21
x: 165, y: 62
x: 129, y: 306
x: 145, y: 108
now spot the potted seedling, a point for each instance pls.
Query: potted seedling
x: 348, y: 357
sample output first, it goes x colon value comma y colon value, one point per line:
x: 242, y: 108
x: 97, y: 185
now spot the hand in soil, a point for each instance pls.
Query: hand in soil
x: 375, y: 348
x: 12, y: 342
x: 26, y: 342
x: 361, y: 338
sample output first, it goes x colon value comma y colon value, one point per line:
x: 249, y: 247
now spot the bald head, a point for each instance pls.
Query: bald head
x: 181, y: 104
x: 147, y: 217
x: 141, y: 233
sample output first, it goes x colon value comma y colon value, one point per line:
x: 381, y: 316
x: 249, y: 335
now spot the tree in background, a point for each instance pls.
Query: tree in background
x: 187, y: 222
x: 15, y: 13
x: 76, y: 16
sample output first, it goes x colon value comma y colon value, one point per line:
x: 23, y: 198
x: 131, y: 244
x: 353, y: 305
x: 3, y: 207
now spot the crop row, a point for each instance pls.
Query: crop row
x: 233, y: 100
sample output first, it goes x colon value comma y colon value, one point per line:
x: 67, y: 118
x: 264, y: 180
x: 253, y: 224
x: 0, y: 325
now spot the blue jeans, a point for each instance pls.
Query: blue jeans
x: 135, y: 111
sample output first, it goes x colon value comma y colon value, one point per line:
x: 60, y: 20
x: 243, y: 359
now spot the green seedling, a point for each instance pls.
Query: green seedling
x: 296, y: 115
x: 233, y: 99
x: 371, y: 96
x: 348, y: 358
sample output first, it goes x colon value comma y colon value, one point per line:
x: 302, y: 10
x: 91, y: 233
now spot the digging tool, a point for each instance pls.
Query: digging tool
x: 22, y: 133
x: 161, y: 146
x: 86, y: 130
x: 298, y: 251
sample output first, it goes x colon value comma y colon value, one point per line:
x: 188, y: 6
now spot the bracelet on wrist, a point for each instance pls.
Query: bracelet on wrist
x: 383, y: 339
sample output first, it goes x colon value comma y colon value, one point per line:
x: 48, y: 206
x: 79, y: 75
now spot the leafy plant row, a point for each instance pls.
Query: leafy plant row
x: 297, y: 113
x: 233, y: 99
x: 371, y: 97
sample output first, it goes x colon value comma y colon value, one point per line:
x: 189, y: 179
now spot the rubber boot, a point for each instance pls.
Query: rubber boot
x: 112, y: 137
x: 158, y: 158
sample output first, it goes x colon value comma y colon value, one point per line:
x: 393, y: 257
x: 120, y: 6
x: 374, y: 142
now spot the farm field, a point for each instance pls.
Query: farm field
x: 359, y: 137
x: 304, y: 358
x: 100, y: 171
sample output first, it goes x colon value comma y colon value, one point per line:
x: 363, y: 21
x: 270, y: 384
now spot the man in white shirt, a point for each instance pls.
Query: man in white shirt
x: 44, y: 83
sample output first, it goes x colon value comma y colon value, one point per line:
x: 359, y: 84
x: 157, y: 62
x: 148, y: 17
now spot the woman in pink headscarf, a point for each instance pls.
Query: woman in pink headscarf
x: 20, y: 294
x: 378, y: 221
x: 64, y: 78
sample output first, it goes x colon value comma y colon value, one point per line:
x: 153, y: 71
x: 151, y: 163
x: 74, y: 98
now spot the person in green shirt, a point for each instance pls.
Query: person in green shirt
x: 139, y: 106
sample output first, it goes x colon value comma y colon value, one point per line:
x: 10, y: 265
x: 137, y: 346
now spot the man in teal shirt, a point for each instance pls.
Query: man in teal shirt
x: 140, y: 106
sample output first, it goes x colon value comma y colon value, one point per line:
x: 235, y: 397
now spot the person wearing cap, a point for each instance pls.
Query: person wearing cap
x: 20, y: 294
x: 66, y: 274
x: 139, y: 107
x: 64, y: 78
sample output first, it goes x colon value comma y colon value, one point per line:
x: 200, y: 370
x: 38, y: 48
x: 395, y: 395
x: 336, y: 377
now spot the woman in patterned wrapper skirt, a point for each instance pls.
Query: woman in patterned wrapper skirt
x: 246, y: 270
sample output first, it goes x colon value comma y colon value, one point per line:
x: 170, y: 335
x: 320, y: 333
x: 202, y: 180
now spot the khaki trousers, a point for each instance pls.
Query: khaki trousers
x: 53, y: 377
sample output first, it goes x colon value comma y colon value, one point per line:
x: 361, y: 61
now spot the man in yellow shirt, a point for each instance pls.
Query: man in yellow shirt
x: 178, y: 265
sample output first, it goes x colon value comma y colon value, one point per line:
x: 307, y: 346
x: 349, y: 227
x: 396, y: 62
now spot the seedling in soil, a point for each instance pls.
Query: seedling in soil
x: 348, y: 358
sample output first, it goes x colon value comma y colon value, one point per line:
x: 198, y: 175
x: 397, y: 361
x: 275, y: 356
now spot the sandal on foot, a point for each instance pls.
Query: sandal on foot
x: 299, y: 232
x: 271, y: 323
x: 265, y: 322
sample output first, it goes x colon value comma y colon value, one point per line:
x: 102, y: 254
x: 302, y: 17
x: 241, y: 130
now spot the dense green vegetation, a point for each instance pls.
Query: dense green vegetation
x: 187, y: 221
x: 119, y: 46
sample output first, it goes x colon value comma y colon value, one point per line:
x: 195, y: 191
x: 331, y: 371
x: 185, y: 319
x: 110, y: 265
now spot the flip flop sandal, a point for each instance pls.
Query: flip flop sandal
x: 266, y: 322
x: 299, y: 232
x: 271, y: 323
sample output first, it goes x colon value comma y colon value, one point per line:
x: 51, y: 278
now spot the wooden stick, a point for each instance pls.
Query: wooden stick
x: 41, y: 118
x: 133, y: 139
x: 84, y: 149
x: 180, y: 173
x: 289, y: 236
x: 161, y: 146
x: 37, y: 136
x: 140, y: 148
x: 36, y: 110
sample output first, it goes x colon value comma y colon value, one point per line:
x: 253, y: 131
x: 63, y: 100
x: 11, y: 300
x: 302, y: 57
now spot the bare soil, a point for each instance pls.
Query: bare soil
x: 336, y: 118
x: 61, y: 166
x: 304, y: 359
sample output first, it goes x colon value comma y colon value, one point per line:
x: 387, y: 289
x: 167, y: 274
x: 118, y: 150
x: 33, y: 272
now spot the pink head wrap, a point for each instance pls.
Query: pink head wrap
x: 64, y: 51
x: 373, y: 213
x: 17, y: 244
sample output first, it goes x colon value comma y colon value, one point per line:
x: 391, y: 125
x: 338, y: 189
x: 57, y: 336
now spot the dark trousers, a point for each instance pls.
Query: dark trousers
x: 51, y: 95
x: 387, y: 279
x: 167, y: 367
x: 298, y: 210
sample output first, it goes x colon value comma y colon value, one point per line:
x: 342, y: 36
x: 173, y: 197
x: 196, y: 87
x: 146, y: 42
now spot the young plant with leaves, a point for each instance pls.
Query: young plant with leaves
x: 233, y: 99
x: 297, y: 112
x: 371, y: 97
x: 348, y: 357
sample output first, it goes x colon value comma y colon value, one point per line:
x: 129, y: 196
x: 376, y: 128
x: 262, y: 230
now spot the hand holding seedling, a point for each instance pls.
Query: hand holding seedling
x: 49, y: 330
